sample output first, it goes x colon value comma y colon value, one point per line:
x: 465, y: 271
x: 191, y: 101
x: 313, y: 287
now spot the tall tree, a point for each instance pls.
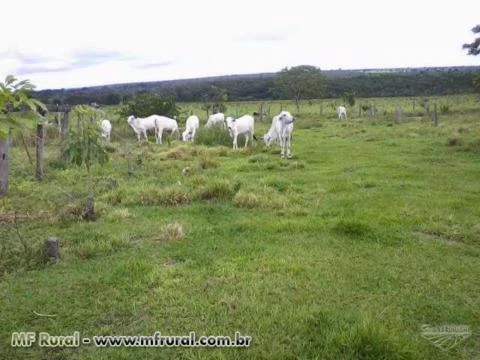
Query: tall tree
x: 474, y: 47
x: 14, y: 101
x: 300, y: 83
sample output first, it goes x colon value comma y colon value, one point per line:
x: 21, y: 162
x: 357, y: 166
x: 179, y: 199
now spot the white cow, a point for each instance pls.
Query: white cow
x: 282, y: 128
x: 242, y: 125
x: 141, y: 125
x: 191, y: 126
x: 163, y: 123
x: 156, y: 122
x: 215, y: 119
x: 106, y: 129
x: 342, y: 113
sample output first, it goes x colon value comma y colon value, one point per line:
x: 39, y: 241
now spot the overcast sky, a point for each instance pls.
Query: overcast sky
x: 62, y: 44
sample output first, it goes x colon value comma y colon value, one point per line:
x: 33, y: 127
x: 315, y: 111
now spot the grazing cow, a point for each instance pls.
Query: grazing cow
x: 191, y: 126
x: 156, y: 122
x: 282, y: 128
x: 242, y: 125
x: 215, y: 119
x: 141, y: 125
x: 106, y: 129
x: 342, y: 113
x: 163, y: 123
x: 271, y: 135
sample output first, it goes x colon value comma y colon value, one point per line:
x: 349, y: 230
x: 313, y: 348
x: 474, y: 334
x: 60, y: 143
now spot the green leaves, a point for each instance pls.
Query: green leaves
x: 300, y: 82
x: 148, y: 104
x: 474, y: 47
x: 85, y: 147
x: 13, y: 100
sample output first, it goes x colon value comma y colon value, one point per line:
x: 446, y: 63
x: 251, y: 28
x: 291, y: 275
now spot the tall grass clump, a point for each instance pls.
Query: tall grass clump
x: 214, y: 136
x: 214, y: 189
x: 172, y: 232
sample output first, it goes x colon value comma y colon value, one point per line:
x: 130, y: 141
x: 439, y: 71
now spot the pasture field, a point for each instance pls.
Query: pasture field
x: 370, y: 231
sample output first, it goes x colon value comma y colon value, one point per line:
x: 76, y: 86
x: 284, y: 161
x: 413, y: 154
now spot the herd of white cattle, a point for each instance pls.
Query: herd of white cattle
x: 281, y: 128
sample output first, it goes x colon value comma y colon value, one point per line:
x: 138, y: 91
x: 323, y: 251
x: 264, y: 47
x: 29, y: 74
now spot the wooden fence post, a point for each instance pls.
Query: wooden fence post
x: 398, y: 115
x: 52, y: 249
x: 39, y: 142
x: 65, y: 124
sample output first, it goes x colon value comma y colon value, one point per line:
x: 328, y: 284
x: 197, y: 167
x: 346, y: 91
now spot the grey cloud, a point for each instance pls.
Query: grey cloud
x: 25, y: 70
x: 152, y: 65
x: 81, y: 59
x: 31, y: 64
x: 24, y: 59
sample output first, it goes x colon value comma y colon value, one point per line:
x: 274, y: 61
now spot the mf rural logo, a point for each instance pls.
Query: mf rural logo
x: 446, y: 337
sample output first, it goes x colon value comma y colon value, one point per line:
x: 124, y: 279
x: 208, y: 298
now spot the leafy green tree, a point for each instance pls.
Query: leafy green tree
x: 147, y: 104
x: 17, y: 110
x: 474, y: 47
x: 300, y: 83
x: 214, y: 100
x: 85, y: 148
x: 111, y: 99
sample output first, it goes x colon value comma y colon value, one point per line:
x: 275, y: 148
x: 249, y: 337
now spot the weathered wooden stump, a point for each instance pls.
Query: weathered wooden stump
x: 52, y: 249
x: 89, y: 212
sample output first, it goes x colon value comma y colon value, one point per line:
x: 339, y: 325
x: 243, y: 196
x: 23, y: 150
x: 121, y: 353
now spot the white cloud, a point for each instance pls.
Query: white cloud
x: 69, y: 44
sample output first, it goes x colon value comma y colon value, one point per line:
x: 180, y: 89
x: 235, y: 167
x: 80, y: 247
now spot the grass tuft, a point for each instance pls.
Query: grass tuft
x: 172, y: 232
x: 214, y: 189
x: 214, y: 136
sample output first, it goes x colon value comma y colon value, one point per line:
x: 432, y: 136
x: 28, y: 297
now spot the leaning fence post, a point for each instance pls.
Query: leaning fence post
x: 435, y: 115
x: 398, y: 115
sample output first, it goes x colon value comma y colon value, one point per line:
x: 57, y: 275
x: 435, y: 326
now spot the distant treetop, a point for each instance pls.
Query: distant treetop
x: 474, y: 47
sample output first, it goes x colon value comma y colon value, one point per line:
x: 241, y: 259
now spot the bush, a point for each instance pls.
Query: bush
x: 172, y: 232
x: 147, y: 104
x: 455, y: 140
x: 213, y: 136
x: 215, y: 189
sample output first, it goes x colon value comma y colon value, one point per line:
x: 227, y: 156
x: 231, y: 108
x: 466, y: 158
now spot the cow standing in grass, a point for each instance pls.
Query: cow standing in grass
x: 191, y: 126
x: 242, y: 125
x: 215, y: 119
x: 106, y: 129
x: 281, y: 129
x: 342, y: 113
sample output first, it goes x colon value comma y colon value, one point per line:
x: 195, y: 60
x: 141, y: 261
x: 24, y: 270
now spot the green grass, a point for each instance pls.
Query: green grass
x: 370, y: 231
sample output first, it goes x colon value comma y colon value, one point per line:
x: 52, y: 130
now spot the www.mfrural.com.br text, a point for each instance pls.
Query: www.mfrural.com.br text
x: 44, y: 339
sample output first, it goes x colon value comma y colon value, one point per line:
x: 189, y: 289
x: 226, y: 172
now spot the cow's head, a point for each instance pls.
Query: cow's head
x: 285, y: 117
x: 131, y: 119
x: 267, y: 138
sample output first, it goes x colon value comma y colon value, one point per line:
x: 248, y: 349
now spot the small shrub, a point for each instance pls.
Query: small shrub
x: 475, y: 145
x: 444, y: 108
x: 214, y: 136
x: 206, y: 162
x: 455, y: 140
x: 70, y: 213
x: 172, y: 232
x: 118, y: 214
x: 370, y: 340
x: 247, y: 200
x: 153, y: 195
x: 172, y: 196
x: 215, y: 189
x: 265, y: 197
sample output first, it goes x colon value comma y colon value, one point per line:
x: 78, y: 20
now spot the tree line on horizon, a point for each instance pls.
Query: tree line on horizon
x: 274, y: 87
